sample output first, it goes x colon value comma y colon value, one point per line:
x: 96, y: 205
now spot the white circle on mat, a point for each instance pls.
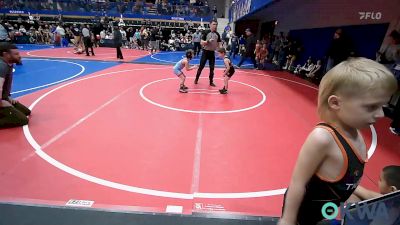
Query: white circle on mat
x: 152, y: 192
x: 202, y: 111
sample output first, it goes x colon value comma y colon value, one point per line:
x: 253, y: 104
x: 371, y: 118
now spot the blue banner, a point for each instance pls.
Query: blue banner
x: 244, y: 7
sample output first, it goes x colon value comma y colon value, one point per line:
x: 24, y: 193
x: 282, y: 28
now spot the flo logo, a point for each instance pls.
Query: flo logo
x: 371, y: 211
x: 370, y: 15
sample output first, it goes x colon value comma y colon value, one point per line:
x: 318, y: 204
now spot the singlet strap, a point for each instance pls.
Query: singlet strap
x: 345, y: 142
x: 342, y: 146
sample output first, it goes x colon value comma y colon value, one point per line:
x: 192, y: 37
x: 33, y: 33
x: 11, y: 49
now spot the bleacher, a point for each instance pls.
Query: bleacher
x: 163, y: 10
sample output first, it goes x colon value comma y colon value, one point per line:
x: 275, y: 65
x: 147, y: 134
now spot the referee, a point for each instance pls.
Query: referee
x: 211, y: 40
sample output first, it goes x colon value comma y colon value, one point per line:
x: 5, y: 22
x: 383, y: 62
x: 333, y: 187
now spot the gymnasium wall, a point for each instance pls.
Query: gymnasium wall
x: 313, y: 22
x: 294, y: 14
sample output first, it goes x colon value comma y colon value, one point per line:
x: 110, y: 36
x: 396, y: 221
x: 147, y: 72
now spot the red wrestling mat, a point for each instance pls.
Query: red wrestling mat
x: 124, y: 137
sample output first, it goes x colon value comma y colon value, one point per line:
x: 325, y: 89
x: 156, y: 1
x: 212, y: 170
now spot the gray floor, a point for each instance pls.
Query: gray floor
x: 24, y: 214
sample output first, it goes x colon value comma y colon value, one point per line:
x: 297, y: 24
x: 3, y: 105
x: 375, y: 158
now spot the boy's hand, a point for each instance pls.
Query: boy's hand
x: 283, y: 222
x: 13, y: 101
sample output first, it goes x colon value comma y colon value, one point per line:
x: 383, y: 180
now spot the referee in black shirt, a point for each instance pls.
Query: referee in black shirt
x: 210, y: 41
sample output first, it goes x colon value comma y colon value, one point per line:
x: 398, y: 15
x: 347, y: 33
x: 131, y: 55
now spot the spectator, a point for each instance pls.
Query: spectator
x: 242, y: 42
x: 129, y: 36
x: 137, y: 36
x: 196, y: 42
x: 339, y: 50
x: 306, y: 68
x: 12, y: 113
x: 145, y: 39
x: 274, y: 48
x: 315, y: 72
x: 390, y: 57
x: 261, y: 57
x: 389, y: 182
x: 292, y: 52
x: 153, y: 41
x: 228, y: 28
x: 124, y: 37
x: 4, y: 32
x: 118, y: 42
x: 249, y: 49
x: 215, y: 11
x: 22, y: 30
x: 234, y: 45
x: 103, y: 34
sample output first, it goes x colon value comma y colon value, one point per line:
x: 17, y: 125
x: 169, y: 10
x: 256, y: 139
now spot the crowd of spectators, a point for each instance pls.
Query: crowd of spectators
x: 199, y: 8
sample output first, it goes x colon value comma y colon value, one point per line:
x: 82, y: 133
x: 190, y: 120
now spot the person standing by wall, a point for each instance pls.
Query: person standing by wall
x: 196, y: 42
x: 250, y: 48
x: 339, y: 50
x: 118, y: 42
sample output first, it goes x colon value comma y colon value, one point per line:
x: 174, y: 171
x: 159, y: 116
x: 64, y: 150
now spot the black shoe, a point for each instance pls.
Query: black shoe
x: 87, y: 55
x: 92, y: 54
x: 212, y: 84
x: 184, y: 87
x: 223, y: 91
x: 182, y: 90
x: 196, y: 81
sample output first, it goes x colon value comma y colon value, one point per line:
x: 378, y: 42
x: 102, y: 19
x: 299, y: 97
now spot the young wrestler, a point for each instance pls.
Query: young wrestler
x: 183, y: 63
x: 229, y: 70
x: 331, y: 162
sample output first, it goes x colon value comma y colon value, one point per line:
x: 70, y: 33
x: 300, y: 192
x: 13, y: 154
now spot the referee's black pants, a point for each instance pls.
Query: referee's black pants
x: 210, y: 56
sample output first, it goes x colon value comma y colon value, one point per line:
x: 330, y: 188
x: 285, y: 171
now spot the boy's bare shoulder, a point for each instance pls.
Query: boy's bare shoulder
x: 321, y: 137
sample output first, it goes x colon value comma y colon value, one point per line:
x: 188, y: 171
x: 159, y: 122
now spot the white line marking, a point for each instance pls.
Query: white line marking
x: 202, y: 92
x: 199, y: 89
x: 77, y: 56
x: 256, y: 194
x: 145, y: 191
x: 374, y: 143
x: 197, y: 156
x: 57, y: 82
x: 83, y: 119
x: 203, y: 111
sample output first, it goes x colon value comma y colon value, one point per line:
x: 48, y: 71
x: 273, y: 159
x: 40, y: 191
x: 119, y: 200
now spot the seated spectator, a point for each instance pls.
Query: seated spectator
x: 315, y: 71
x: 164, y: 46
x: 306, y: 68
x: 291, y: 50
x: 389, y: 181
x: 22, y: 30
x: 12, y: 113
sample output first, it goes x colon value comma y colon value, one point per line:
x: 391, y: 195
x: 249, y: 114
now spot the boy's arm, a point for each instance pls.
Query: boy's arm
x: 187, y: 66
x: 364, y: 194
x: 310, y: 158
x: 227, y: 66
